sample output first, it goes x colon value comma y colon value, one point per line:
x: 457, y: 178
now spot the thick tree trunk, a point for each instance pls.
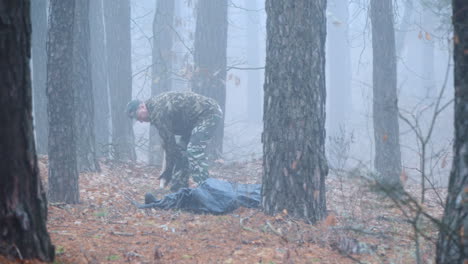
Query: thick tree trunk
x: 294, y: 109
x: 99, y: 78
x: 452, y: 246
x: 82, y: 86
x: 210, y: 59
x: 63, y: 173
x: 117, y: 23
x: 162, y: 66
x: 339, y: 66
x: 39, y: 61
x: 254, y: 86
x: 385, y: 102
x: 23, y: 203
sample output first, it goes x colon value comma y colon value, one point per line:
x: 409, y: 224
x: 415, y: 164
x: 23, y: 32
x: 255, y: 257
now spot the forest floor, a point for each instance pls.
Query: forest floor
x: 363, y: 226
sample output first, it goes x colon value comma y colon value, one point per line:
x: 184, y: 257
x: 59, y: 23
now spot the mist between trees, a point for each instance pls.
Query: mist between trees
x: 353, y: 92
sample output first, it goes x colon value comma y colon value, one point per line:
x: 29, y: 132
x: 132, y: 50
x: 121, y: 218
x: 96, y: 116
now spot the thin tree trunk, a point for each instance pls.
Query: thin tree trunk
x: 83, y: 88
x: 294, y: 160
x: 99, y: 78
x: 23, y: 203
x: 181, y: 46
x: 452, y: 246
x: 39, y: 61
x: 117, y: 23
x: 254, y: 86
x: 210, y: 59
x: 404, y: 26
x: 63, y: 172
x: 385, y: 101
x: 427, y: 55
x: 162, y: 66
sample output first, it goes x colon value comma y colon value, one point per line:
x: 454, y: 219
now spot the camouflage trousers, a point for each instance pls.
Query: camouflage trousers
x: 195, y: 153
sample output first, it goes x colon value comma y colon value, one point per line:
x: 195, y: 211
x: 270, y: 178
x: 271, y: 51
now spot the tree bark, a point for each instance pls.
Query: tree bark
x: 99, y: 78
x: 162, y: 66
x: 294, y: 160
x: 63, y: 173
x: 210, y: 59
x: 452, y: 246
x: 39, y: 61
x: 385, y: 102
x: 83, y: 88
x: 23, y: 203
x: 117, y: 23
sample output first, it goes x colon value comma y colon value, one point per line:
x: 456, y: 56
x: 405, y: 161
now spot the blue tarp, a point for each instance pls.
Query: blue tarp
x: 212, y: 196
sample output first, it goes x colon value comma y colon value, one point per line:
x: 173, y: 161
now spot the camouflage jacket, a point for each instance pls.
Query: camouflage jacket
x: 177, y: 113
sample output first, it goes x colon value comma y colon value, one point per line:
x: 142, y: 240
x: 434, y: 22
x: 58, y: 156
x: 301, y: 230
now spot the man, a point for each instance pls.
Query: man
x: 189, y: 115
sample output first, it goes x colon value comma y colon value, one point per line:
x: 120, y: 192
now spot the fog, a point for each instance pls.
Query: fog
x: 423, y: 58
x: 424, y: 80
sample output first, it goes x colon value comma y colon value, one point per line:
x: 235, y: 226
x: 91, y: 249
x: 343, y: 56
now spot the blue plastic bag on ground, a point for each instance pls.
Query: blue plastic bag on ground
x: 212, y: 196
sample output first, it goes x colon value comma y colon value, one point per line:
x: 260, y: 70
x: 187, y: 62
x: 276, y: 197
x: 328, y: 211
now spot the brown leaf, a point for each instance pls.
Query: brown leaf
x: 403, y: 176
x: 336, y: 23
x: 294, y: 165
x: 237, y: 81
x: 330, y: 220
x: 428, y: 36
x: 385, y: 137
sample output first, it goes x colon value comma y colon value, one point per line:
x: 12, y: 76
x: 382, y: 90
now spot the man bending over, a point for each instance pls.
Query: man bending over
x: 191, y: 116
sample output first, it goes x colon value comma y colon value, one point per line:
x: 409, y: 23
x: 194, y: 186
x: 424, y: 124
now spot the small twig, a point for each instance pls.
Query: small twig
x: 273, y: 229
x: 121, y: 233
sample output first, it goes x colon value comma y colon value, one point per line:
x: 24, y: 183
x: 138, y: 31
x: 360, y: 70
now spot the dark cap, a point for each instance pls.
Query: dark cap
x: 132, y: 107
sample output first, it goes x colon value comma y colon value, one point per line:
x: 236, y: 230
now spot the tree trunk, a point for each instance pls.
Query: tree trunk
x: 23, y: 203
x: 117, y: 23
x: 339, y: 66
x: 83, y: 88
x: 99, y: 78
x: 427, y: 55
x: 452, y: 246
x: 385, y: 102
x: 254, y: 86
x: 162, y: 66
x: 63, y: 173
x: 404, y: 27
x: 182, y: 58
x: 294, y: 160
x: 39, y: 62
x: 210, y: 59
